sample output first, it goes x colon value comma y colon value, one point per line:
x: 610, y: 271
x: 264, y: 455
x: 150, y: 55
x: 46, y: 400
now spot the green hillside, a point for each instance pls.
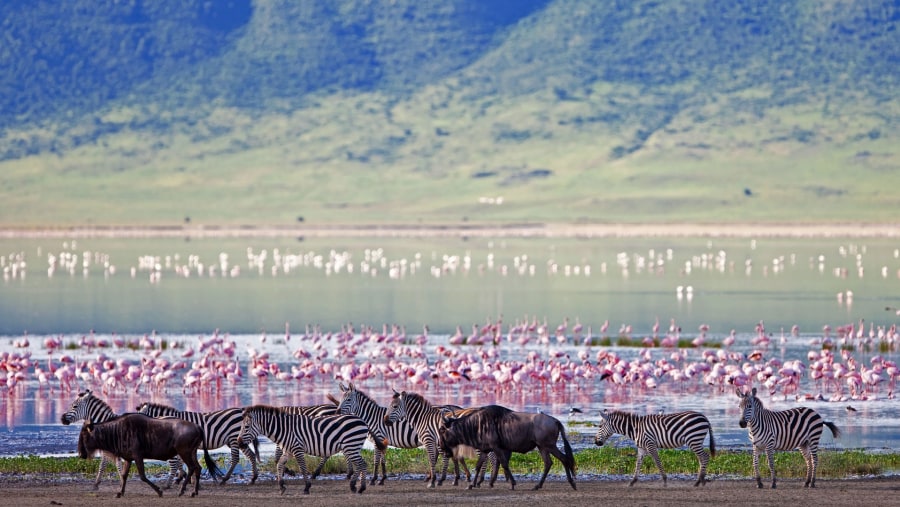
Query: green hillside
x: 352, y: 111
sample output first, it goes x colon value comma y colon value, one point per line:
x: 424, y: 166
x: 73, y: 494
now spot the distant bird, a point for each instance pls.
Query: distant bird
x: 574, y: 410
x: 850, y: 409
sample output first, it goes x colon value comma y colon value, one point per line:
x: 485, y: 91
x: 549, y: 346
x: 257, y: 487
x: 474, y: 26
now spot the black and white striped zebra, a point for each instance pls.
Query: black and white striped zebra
x: 299, y: 435
x: 324, y: 409
x: 660, y: 431
x: 401, y: 435
x: 220, y: 428
x: 426, y: 419
x: 783, y: 430
x: 89, y: 407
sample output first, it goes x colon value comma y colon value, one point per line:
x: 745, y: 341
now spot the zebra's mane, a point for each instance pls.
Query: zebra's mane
x: 88, y: 397
x: 418, y: 398
x: 365, y: 396
x: 266, y: 409
x: 161, y: 406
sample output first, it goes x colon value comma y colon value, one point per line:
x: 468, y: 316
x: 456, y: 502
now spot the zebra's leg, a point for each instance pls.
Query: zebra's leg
x: 432, y: 461
x: 104, y: 459
x: 810, y: 467
x: 254, y: 463
x: 703, y: 458
x: 378, y: 457
x: 446, y: 458
x: 235, y: 457
x: 770, y: 457
x: 756, y: 467
x: 654, y: 453
x: 354, y: 460
x: 637, y: 465
x: 176, y: 472
x: 319, y: 467
x: 301, y: 461
x: 279, y: 470
x: 279, y: 452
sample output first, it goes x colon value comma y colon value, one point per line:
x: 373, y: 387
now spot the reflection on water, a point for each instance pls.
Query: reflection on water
x: 180, y: 291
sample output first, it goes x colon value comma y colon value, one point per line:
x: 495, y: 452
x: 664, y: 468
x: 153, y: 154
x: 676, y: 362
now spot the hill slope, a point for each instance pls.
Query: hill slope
x: 405, y: 111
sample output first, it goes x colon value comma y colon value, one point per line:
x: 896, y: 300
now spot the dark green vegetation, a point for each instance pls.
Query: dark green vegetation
x: 605, y: 460
x: 349, y: 111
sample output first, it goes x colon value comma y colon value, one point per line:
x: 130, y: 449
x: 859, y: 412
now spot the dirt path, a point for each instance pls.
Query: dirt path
x: 44, y: 491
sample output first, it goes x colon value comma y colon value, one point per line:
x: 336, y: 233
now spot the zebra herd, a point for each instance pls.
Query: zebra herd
x: 410, y: 421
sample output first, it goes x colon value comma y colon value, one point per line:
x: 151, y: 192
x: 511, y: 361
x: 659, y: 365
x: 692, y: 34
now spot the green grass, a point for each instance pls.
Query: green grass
x: 596, y: 461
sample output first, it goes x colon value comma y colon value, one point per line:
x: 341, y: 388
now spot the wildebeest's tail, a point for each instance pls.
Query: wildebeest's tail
x: 211, y: 465
x: 834, y: 429
x: 570, y: 456
x: 712, y: 444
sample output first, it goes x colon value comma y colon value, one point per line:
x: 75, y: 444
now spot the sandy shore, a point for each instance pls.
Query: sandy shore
x: 45, y: 491
x: 523, y: 230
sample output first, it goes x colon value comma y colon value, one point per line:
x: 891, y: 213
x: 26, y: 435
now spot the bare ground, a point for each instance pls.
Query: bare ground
x: 47, y: 490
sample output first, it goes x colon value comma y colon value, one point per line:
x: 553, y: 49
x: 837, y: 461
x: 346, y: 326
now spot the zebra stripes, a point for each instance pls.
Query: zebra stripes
x: 426, y: 419
x: 220, y: 428
x: 402, y: 435
x: 660, y: 431
x: 300, y: 434
x: 88, y: 407
x: 309, y: 411
x: 783, y: 430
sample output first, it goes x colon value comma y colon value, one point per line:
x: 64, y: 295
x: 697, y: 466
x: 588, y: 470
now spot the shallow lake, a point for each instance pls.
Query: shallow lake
x: 92, y: 299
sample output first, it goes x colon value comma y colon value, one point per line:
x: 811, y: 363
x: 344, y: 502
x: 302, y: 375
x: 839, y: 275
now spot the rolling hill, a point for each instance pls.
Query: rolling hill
x: 352, y: 111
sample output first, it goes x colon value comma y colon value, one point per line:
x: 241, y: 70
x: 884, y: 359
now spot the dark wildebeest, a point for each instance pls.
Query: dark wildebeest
x: 503, y: 431
x: 136, y: 437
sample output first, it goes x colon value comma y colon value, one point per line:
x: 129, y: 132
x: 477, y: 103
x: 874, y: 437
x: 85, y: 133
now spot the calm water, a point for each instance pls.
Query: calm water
x: 128, y: 288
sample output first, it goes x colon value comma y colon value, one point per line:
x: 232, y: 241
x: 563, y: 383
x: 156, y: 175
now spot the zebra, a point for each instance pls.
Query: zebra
x: 309, y: 411
x: 783, y: 430
x: 401, y: 435
x: 300, y: 434
x: 91, y: 408
x: 660, y: 431
x: 221, y: 428
x: 425, y: 418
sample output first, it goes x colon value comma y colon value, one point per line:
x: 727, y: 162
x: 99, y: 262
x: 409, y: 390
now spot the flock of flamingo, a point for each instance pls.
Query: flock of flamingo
x: 841, y: 365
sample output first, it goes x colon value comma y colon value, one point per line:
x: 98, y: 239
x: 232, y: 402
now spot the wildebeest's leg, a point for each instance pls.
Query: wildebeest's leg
x: 193, y: 471
x: 126, y: 469
x: 503, y: 457
x: 637, y: 464
x: 139, y: 462
x: 478, y: 466
x: 545, y: 455
x: 566, y: 463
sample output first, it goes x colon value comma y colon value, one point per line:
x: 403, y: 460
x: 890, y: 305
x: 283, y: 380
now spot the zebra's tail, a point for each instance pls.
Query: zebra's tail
x: 834, y: 429
x: 712, y: 444
x: 570, y: 456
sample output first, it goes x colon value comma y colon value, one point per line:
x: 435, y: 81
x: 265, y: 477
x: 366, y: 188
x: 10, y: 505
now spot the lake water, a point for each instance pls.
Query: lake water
x: 77, y: 296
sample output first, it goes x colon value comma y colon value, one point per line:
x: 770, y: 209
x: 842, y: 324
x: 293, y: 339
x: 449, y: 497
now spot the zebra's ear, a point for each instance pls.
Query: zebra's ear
x: 350, y: 386
x: 738, y: 392
x: 341, y: 386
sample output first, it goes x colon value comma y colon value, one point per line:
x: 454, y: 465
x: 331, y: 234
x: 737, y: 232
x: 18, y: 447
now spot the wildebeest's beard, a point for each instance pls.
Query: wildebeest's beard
x: 82, y: 446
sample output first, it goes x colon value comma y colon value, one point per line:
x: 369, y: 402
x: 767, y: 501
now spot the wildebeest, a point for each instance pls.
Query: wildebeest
x: 504, y: 431
x: 136, y: 437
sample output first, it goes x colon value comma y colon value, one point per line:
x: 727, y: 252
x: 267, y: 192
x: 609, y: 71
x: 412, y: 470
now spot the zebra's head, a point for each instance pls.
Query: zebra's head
x: 749, y: 405
x: 349, y: 404
x: 605, y: 429
x: 396, y: 411
x: 79, y: 408
x: 250, y: 428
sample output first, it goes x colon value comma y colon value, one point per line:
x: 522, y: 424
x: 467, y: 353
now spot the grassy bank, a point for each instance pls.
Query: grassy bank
x: 600, y: 461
